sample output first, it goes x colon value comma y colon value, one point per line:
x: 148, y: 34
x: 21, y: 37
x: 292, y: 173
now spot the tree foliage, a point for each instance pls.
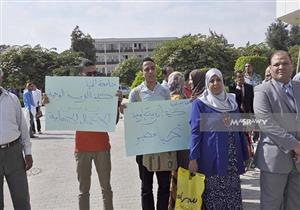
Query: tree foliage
x: 277, y: 36
x: 3, y: 47
x: 127, y: 70
x: 294, y: 35
x: 259, y: 63
x: 67, y: 63
x: 197, y: 51
x: 22, y: 64
x: 261, y: 49
x: 294, y: 52
x: 83, y: 43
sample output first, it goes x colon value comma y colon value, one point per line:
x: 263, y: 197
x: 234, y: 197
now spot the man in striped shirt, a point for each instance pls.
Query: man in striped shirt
x: 15, y: 149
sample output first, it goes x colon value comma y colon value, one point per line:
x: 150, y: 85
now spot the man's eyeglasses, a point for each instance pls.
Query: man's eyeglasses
x: 92, y: 74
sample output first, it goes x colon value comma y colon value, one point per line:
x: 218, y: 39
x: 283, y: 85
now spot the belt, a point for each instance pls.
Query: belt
x: 4, y: 146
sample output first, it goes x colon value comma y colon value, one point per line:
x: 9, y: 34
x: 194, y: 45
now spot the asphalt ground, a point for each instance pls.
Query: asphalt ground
x: 53, y: 184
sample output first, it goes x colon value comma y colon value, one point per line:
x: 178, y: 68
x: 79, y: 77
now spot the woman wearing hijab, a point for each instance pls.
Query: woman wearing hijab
x: 215, y: 149
x: 197, y: 83
x: 176, y: 83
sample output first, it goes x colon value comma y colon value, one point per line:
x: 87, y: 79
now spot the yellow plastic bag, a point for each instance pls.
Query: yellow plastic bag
x: 189, y: 190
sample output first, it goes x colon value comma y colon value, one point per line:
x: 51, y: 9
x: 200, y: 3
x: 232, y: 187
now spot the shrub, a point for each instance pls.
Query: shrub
x: 259, y: 64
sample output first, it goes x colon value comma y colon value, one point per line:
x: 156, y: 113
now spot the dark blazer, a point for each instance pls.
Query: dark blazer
x: 247, y: 100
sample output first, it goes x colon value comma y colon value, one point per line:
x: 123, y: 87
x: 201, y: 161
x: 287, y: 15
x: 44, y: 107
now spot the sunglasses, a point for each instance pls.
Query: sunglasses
x: 92, y: 74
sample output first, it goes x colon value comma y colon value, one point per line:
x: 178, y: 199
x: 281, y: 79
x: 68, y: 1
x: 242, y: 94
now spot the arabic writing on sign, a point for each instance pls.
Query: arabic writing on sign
x: 104, y: 82
x: 89, y: 94
x: 157, y: 126
x: 81, y: 103
x: 175, y: 133
x: 149, y: 115
x: 80, y: 118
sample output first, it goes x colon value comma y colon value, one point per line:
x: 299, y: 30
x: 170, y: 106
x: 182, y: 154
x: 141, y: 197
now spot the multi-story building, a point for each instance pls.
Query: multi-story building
x: 110, y: 52
x: 289, y: 12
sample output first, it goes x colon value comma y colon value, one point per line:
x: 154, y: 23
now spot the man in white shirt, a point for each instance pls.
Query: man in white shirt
x: 151, y: 90
x: 37, y: 99
x: 15, y: 150
x: 250, y: 76
x: 297, y: 77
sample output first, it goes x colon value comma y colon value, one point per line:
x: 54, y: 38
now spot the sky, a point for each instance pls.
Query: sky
x: 50, y: 23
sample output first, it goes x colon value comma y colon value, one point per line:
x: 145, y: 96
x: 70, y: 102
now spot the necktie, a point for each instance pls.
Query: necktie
x: 242, y: 97
x: 289, y: 93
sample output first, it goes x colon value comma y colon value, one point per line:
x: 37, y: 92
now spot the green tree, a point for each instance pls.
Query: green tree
x: 294, y: 35
x: 24, y: 63
x: 127, y: 70
x: 197, y: 51
x: 261, y: 49
x: 259, y: 63
x: 3, y: 47
x: 137, y: 80
x: 277, y: 36
x: 83, y: 43
x: 67, y: 63
x: 294, y: 52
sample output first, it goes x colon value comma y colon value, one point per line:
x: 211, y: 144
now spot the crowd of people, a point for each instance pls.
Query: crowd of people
x: 215, y: 149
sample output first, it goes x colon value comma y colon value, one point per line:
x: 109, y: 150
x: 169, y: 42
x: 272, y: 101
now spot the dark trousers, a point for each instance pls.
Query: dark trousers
x: 31, y: 127
x: 38, y: 122
x: 163, y: 179
x: 12, y: 168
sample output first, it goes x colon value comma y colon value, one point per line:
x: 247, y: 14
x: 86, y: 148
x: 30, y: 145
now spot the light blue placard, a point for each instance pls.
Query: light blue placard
x: 157, y: 126
x: 81, y: 103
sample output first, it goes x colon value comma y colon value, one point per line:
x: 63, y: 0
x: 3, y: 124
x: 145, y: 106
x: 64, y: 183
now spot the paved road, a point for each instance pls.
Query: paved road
x: 53, y: 184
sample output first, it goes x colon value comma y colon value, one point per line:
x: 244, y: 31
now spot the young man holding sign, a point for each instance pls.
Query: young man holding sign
x: 93, y: 146
x: 151, y: 90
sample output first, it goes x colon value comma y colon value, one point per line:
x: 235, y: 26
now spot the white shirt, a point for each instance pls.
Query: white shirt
x: 37, y: 97
x: 165, y: 84
x: 12, y: 121
x: 297, y: 77
x: 142, y: 93
x: 241, y: 89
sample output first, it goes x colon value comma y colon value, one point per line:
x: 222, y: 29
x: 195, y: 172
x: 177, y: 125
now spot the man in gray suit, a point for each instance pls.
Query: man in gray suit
x: 278, y: 152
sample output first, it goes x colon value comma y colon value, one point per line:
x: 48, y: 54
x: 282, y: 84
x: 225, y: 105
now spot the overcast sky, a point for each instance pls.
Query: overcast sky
x: 50, y: 23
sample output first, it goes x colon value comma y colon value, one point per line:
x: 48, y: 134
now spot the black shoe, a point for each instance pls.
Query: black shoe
x: 32, y: 137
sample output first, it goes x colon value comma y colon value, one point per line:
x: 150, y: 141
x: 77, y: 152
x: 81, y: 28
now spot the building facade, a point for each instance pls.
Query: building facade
x: 110, y: 52
x: 288, y: 11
